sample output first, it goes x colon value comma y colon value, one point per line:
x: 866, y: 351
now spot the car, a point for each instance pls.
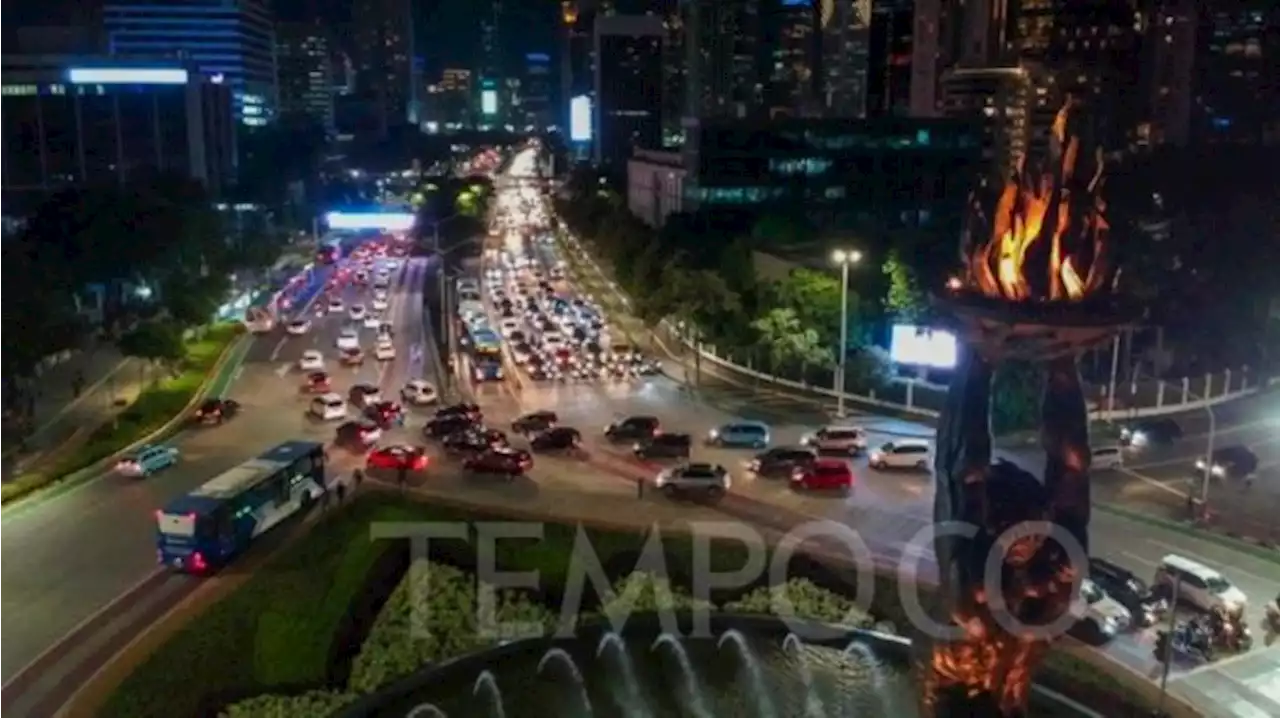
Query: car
x: 1199, y: 585
x: 443, y: 426
x: 1159, y: 431
x: 365, y: 395
x: 311, y: 360
x: 709, y: 481
x: 1230, y: 462
x: 823, y: 475
x: 1099, y: 617
x: 335, y: 305
x: 386, y: 331
x: 1132, y: 592
x: 385, y: 351
x: 557, y: 438
x: 399, y: 457
x: 748, y: 434
x: 505, y: 461
x: 781, y: 461
x: 147, y: 460
x: 467, y: 409
x: 379, y: 303
x: 298, y: 327
x: 419, y: 392
x: 474, y: 439
x: 317, y: 382
x: 851, y: 440
x: 352, y: 357
x: 902, y: 454
x: 372, y: 321
x: 663, y: 446
x: 357, y: 312
x: 216, y: 411
x: 534, y: 422
x: 633, y: 428
x: 360, y: 433
x: 385, y: 414
x: 348, y: 338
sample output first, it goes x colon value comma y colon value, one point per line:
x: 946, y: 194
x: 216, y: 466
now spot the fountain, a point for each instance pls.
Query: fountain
x: 426, y: 710
x: 692, y: 688
x: 634, y: 701
x: 559, y: 655
x: 735, y: 638
x: 486, y: 681
x: 814, y: 706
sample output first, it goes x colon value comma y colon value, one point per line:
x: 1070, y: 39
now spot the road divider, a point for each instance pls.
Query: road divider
x: 159, y: 411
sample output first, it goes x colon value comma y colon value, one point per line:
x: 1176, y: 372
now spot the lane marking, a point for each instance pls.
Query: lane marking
x: 283, y: 369
x: 1210, y: 562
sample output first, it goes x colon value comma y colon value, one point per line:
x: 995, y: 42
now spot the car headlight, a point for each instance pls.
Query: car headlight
x: 714, y: 433
x: 1110, y: 624
x: 1126, y: 433
x: 877, y: 456
x: 1200, y: 464
x: 1138, y: 437
x: 635, y: 446
x: 1219, y: 470
x: 808, y: 439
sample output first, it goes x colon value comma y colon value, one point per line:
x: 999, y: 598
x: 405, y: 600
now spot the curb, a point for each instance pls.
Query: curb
x: 68, y: 481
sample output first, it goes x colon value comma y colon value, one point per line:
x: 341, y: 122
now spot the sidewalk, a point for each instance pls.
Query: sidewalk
x: 63, y: 419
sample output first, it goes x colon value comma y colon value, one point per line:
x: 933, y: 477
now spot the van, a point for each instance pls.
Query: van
x: 1199, y: 585
x: 329, y: 407
x: 1105, y: 458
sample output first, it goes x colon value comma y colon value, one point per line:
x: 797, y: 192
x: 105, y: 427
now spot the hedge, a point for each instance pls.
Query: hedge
x: 154, y: 407
x: 312, y: 704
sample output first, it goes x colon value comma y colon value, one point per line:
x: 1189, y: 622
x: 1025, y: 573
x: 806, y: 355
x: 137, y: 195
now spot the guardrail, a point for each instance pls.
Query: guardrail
x: 1134, y: 399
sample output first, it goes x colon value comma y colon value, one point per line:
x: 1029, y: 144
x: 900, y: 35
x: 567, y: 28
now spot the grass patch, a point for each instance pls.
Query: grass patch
x: 155, y: 406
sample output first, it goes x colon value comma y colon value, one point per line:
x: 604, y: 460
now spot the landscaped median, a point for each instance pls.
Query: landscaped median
x: 328, y: 617
x: 208, y: 367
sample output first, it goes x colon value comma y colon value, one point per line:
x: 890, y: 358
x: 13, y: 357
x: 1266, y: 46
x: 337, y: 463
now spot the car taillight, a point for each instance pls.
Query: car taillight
x: 198, y: 562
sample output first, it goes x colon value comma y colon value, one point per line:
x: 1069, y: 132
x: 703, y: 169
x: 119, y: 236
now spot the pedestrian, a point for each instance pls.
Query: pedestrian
x: 357, y: 476
x: 639, y: 488
x: 341, y: 491
x: 1191, y: 507
x: 402, y: 477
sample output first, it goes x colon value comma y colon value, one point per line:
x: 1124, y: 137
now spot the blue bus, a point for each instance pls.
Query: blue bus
x: 486, y: 354
x: 208, y: 527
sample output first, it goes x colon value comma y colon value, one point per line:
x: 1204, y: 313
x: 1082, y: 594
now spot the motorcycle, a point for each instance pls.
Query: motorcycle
x: 1151, y: 611
x: 1271, y: 622
x: 1230, y: 633
x: 1190, y: 639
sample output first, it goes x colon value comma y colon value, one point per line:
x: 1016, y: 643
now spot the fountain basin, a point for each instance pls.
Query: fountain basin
x: 747, y: 666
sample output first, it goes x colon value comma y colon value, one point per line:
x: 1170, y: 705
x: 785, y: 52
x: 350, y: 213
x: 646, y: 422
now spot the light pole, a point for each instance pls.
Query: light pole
x: 1208, y: 455
x: 845, y: 258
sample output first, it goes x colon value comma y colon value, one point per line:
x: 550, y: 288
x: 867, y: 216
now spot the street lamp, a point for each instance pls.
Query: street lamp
x: 845, y: 258
x: 1208, y: 455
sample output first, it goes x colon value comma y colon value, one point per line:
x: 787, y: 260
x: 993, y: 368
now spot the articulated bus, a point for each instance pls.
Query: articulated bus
x: 207, y: 528
x: 485, y: 349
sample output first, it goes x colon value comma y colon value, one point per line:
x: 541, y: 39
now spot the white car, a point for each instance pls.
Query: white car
x: 372, y: 321
x: 298, y: 327
x: 311, y: 360
x: 385, y: 351
x: 1103, y: 616
x: 335, y: 305
x: 349, y: 339
x: 419, y: 392
x: 510, y: 325
x: 850, y: 440
x: 379, y: 304
x: 357, y: 312
x: 902, y: 454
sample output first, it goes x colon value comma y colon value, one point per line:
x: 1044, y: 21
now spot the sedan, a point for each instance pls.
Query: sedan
x: 534, y: 422
x: 298, y: 327
x: 398, y: 458
x: 216, y: 411
x: 505, y: 462
x: 824, y: 475
x: 317, y: 382
x: 560, y: 438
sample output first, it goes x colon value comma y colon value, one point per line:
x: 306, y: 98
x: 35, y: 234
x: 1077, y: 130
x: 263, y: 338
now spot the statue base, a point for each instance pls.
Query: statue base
x: 999, y: 329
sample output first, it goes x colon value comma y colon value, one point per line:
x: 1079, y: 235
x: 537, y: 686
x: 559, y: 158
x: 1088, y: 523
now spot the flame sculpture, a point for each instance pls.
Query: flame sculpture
x: 1046, y: 238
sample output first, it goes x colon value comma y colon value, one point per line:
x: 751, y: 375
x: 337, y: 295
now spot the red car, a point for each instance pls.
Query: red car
x: 385, y: 414
x: 504, y: 461
x: 409, y: 458
x: 824, y: 475
x: 317, y: 382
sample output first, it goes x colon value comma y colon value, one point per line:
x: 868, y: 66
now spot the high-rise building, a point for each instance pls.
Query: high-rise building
x: 845, y: 27
x: 231, y: 39
x: 982, y: 33
x: 383, y: 49
x: 90, y: 120
x: 997, y: 100
x: 491, y: 51
x: 903, y: 57
x: 1168, y: 58
x: 305, y: 62
x: 793, y: 56
x: 1237, y: 94
x: 536, y: 95
x: 722, y: 58
x: 577, y: 70
x: 627, y: 110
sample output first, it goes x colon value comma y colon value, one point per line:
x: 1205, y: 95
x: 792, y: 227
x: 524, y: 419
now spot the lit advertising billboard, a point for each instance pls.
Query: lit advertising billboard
x: 920, y: 346
x: 127, y: 75
x: 489, y: 102
x: 386, y: 221
x: 580, y: 119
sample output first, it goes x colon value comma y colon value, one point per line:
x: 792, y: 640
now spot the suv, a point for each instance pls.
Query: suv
x: 1200, y: 585
x: 781, y: 461
x: 502, y: 461
x: 633, y: 428
x: 748, y: 434
x: 902, y: 454
x: 1126, y: 588
x: 851, y: 440
x: 1230, y: 462
x: 709, y: 480
x: 664, y: 446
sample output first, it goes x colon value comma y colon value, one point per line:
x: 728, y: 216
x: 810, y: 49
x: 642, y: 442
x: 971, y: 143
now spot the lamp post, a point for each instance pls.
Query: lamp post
x: 844, y: 258
x: 1208, y: 454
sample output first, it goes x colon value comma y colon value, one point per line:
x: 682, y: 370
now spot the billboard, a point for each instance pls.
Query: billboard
x: 127, y: 76
x: 922, y: 346
x: 387, y: 221
x: 580, y: 119
x: 489, y: 102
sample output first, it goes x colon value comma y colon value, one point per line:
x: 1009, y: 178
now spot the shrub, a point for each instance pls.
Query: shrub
x: 801, y: 598
x: 313, y: 704
x: 642, y: 591
x: 432, y: 615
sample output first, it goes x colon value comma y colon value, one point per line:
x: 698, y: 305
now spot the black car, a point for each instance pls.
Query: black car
x: 467, y: 409
x: 360, y: 393
x: 359, y: 434
x: 501, y: 461
x: 534, y: 422
x: 442, y: 426
x: 216, y: 411
x: 782, y: 461
x: 474, y: 440
x: 560, y: 438
x: 633, y: 428
x: 1163, y: 431
x: 385, y: 414
x: 1128, y: 590
x: 1230, y: 462
x: 664, y: 446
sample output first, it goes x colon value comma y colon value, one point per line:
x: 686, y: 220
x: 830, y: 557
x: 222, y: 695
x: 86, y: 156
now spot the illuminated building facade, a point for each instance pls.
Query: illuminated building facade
x: 997, y: 100
x: 306, y: 72
x: 722, y: 45
x: 793, y: 57
x: 535, y: 96
x: 577, y: 70
x: 903, y: 57
x: 628, y: 82
x: 1237, y: 90
x: 845, y: 27
x: 387, y: 78
x: 75, y: 120
x: 234, y: 39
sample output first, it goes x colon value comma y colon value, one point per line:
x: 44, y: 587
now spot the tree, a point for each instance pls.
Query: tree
x: 698, y: 299
x: 815, y: 299
x: 1015, y: 403
x: 868, y: 369
x: 905, y: 302
x: 157, y: 341
x: 789, y: 342
x: 193, y: 301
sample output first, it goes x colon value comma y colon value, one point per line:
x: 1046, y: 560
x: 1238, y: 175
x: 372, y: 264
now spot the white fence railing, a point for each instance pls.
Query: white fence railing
x: 1135, y: 399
